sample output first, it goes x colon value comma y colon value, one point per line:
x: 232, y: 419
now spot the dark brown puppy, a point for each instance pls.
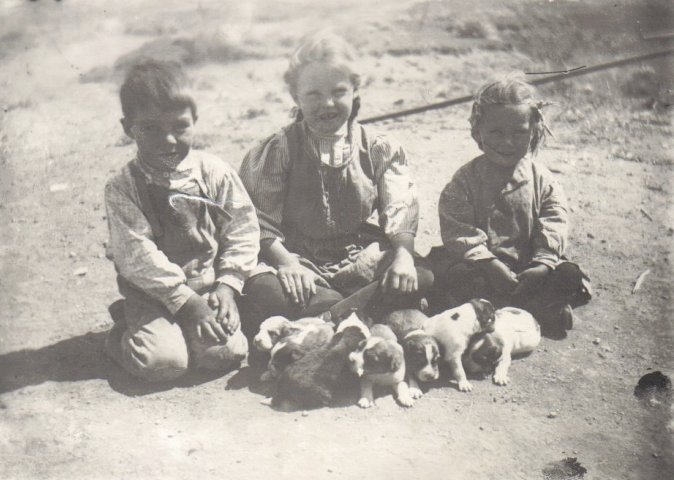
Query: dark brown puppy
x: 421, y: 349
x: 310, y: 381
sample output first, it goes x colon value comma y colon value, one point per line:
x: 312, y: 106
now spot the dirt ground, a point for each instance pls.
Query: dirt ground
x: 67, y: 412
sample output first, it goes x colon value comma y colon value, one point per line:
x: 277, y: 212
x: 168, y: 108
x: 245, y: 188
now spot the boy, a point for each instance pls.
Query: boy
x: 504, y: 220
x: 183, y: 237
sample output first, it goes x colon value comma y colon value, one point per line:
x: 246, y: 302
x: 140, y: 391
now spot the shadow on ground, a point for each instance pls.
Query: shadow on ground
x: 82, y: 358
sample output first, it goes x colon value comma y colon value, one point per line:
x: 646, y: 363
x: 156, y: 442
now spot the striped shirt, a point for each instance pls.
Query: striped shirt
x: 224, y: 249
x: 519, y: 216
x: 265, y: 172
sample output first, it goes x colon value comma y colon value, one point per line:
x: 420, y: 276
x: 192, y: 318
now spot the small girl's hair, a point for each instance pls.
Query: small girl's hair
x: 327, y: 47
x: 155, y: 83
x: 512, y: 90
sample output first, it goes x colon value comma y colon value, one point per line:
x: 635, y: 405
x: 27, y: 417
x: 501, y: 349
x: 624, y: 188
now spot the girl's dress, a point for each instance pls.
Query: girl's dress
x: 321, y: 196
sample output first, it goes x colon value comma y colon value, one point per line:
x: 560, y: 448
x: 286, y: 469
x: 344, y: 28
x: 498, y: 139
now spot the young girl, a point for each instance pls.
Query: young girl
x: 503, y: 218
x: 315, y: 184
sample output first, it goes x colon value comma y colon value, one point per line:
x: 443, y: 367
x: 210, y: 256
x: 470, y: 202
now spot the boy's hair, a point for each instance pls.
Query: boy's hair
x: 155, y: 83
x: 510, y: 91
x: 322, y: 46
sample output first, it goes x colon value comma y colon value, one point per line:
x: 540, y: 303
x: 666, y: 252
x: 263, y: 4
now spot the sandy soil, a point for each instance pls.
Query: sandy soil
x: 67, y: 412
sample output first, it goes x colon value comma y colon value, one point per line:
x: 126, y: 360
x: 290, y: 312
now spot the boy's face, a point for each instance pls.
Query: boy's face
x: 505, y: 133
x: 324, y: 93
x: 163, y: 137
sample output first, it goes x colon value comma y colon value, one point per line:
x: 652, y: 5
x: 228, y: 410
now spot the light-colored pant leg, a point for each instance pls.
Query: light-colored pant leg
x: 215, y: 356
x: 150, y: 346
x: 156, y: 348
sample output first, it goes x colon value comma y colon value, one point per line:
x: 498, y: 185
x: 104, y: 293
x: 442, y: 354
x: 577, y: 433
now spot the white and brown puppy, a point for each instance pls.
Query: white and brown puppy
x: 353, y: 320
x: 292, y: 347
x: 277, y: 327
x: 421, y: 349
x: 453, y: 330
x: 516, y: 332
x: 380, y: 361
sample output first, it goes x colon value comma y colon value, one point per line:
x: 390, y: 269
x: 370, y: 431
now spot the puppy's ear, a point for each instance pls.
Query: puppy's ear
x: 395, y: 362
x: 288, y: 329
x: 484, y: 310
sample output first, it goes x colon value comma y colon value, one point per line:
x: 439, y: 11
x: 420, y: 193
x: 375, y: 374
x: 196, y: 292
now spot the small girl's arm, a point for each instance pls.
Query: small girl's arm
x: 552, y: 224
x: 461, y: 238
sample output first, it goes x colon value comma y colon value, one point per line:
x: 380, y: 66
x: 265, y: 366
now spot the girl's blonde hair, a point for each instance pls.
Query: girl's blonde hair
x: 322, y: 46
x: 512, y: 90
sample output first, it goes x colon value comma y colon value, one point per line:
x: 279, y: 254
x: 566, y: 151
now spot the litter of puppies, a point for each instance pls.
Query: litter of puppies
x: 312, y: 360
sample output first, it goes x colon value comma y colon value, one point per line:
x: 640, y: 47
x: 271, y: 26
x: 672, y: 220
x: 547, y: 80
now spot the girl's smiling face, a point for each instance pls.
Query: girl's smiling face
x: 505, y: 133
x: 324, y: 93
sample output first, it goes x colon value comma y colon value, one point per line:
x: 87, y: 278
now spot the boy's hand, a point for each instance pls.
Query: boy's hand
x: 401, y: 275
x: 298, y: 282
x: 531, y: 278
x: 196, y: 313
x: 223, y: 299
x: 501, y: 278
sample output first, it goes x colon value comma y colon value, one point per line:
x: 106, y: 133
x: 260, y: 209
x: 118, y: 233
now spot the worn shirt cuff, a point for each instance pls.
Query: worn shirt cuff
x: 177, y: 298
x: 480, y: 252
x: 546, y: 258
x: 231, y: 279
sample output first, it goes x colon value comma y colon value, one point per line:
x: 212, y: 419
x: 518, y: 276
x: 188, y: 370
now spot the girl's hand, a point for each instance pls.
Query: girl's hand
x: 401, y: 275
x: 298, y: 282
x: 223, y: 299
x: 501, y: 278
x: 531, y: 278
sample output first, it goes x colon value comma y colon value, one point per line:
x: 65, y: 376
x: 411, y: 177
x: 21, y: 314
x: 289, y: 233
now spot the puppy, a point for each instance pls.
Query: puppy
x: 277, y: 327
x: 421, y: 349
x: 516, y: 332
x: 453, y: 330
x: 291, y: 348
x: 380, y: 360
x: 353, y: 320
x: 311, y: 381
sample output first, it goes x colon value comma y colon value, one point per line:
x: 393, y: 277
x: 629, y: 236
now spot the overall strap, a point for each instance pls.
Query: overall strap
x: 146, y: 204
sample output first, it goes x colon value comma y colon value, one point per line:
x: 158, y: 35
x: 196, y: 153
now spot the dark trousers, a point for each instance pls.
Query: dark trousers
x: 455, y: 284
x: 263, y: 297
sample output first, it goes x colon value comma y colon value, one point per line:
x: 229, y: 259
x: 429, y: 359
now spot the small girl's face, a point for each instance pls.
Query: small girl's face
x: 505, y: 132
x: 324, y: 93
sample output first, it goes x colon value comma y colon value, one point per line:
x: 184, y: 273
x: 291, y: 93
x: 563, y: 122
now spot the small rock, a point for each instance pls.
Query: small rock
x: 305, y: 413
x: 596, y: 341
x: 72, y: 254
x: 58, y: 187
x: 655, y: 455
x: 552, y: 415
x: 481, y: 428
x: 616, y: 327
x: 589, y: 235
x: 80, y: 272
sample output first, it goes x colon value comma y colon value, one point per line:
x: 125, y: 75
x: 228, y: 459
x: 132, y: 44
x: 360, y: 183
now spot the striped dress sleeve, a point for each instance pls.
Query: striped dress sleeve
x: 397, y: 200
x: 264, y: 173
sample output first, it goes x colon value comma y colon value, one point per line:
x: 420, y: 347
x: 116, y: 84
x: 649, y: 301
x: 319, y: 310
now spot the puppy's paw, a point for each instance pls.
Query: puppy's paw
x: 416, y: 393
x: 500, y: 379
x: 465, y: 386
x: 405, y: 400
x: 365, y: 403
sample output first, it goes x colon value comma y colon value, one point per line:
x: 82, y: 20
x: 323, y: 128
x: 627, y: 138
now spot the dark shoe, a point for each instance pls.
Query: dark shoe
x: 116, y: 310
x: 566, y: 317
